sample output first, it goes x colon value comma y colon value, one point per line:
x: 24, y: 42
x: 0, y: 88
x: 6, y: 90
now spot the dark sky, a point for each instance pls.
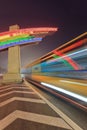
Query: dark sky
x: 70, y: 16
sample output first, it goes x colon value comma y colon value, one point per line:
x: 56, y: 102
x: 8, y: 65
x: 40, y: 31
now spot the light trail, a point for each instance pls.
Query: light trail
x: 77, y: 96
x: 70, y: 82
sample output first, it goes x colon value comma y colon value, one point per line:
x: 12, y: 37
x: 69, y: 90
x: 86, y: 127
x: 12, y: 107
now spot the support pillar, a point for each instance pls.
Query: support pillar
x: 13, y: 73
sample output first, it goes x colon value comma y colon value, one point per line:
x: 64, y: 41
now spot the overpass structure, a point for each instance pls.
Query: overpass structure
x: 12, y: 40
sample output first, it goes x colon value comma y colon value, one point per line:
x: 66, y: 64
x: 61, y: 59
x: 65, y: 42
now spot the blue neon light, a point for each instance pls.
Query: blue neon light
x: 21, y: 42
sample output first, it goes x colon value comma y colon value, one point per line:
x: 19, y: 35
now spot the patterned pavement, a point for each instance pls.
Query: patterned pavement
x: 23, y: 109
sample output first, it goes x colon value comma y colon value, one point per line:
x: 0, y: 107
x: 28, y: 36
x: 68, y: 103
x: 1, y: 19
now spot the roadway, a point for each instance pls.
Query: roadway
x: 24, y: 107
x: 77, y: 115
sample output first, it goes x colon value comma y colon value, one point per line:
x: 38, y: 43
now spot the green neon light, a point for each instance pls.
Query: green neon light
x: 16, y: 39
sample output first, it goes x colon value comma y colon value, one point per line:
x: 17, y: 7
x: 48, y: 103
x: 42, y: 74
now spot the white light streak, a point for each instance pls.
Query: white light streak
x: 70, y: 82
x: 77, y: 52
x: 82, y: 98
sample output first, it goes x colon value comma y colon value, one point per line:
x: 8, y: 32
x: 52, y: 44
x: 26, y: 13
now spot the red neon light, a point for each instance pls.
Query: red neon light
x: 67, y: 58
x: 30, y: 31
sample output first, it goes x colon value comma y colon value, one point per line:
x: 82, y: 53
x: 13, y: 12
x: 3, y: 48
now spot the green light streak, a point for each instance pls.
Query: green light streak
x: 64, y: 61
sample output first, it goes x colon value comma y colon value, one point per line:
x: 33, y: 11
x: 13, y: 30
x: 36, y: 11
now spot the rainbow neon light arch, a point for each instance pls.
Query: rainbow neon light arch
x: 23, y: 36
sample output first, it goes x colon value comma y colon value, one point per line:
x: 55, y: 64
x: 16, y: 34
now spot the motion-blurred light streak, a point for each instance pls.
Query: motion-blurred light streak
x: 82, y: 98
x: 78, y: 83
x: 70, y: 61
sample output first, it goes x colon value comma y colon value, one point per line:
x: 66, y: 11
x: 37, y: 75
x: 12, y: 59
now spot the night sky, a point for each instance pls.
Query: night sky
x: 70, y: 16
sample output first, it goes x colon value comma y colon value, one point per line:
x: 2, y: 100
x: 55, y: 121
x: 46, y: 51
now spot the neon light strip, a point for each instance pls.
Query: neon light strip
x: 77, y: 96
x: 15, y: 40
x: 21, y: 42
x: 29, y: 31
x: 13, y: 37
x: 7, y: 41
x: 66, y: 81
x: 4, y: 37
x: 71, y: 62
